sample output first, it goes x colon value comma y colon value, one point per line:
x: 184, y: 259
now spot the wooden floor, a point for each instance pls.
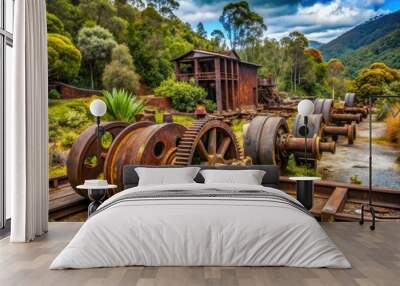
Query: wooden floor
x: 375, y: 257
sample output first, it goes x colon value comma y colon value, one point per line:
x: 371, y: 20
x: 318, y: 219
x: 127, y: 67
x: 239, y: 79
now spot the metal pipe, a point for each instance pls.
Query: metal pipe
x: 346, y: 117
x: 354, y: 110
x: 348, y: 130
x: 314, y: 145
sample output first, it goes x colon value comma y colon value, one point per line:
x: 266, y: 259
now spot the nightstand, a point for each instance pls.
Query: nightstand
x: 305, y: 190
x: 96, y: 194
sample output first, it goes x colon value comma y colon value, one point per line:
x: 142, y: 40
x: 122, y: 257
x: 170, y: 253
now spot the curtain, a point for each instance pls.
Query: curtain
x: 26, y: 124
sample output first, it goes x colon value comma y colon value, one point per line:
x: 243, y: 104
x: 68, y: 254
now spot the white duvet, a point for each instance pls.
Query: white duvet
x: 200, y: 231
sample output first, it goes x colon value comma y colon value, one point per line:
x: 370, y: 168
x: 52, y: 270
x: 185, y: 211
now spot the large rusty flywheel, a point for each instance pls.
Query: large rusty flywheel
x: 208, y: 142
x: 264, y: 140
x: 87, y: 156
x: 142, y: 143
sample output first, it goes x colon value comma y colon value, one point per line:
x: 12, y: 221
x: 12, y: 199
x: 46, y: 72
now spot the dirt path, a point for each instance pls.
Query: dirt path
x: 351, y: 160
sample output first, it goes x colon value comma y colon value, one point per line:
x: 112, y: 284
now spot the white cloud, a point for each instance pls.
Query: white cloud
x: 192, y: 13
x: 321, y: 21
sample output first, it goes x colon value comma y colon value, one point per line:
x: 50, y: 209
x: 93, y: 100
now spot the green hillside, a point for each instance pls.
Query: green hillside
x: 361, y: 36
x: 385, y: 49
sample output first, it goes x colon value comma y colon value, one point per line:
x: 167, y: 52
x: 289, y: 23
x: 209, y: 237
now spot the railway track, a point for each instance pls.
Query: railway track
x: 333, y: 201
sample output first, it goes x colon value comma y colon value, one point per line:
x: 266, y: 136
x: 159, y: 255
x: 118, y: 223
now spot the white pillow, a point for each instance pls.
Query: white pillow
x: 248, y: 177
x: 166, y: 176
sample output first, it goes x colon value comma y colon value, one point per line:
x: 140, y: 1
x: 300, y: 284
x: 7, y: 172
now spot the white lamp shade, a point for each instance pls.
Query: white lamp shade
x: 305, y: 107
x: 98, y: 108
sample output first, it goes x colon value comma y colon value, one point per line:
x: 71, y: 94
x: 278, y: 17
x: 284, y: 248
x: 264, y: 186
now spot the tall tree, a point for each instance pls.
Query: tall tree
x: 165, y: 7
x: 241, y: 24
x: 294, y: 46
x: 218, y: 39
x: 68, y: 13
x: 315, y: 54
x: 95, y: 44
x: 120, y: 73
x: 98, y: 11
x: 335, y: 74
x: 201, y: 31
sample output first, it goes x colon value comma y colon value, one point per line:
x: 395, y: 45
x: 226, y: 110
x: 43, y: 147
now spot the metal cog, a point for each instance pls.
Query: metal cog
x: 209, y: 142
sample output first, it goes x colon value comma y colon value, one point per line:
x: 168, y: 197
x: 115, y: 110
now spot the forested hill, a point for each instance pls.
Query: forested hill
x: 361, y: 36
x: 83, y: 35
x: 385, y: 49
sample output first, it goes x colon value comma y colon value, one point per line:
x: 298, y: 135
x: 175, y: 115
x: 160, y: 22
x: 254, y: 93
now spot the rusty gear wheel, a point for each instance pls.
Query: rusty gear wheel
x: 208, y: 142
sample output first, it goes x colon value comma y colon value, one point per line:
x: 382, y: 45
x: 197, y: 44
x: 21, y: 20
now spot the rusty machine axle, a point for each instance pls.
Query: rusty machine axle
x: 267, y: 141
x: 332, y: 116
x: 317, y: 126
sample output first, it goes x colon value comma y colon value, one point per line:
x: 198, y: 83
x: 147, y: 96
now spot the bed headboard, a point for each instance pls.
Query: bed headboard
x: 271, y: 177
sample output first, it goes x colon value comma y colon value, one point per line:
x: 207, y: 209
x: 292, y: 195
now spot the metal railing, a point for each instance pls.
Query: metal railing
x: 205, y: 76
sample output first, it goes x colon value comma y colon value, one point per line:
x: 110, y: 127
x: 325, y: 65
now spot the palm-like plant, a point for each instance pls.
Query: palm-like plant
x: 122, y: 105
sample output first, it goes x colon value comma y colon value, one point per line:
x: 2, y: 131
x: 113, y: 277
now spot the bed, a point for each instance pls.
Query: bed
x: 198, y: 224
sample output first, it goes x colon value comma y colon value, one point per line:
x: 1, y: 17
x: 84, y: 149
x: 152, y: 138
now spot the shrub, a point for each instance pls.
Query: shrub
x: 73, y: 119
x: 53, y: 128
x: 56, y: 157
x: 184, y: 95
x: 54, y: 24
x: 68, y: 140
x: 122, y: 105
x: 120, y: 73
x: 54, y: 94
x: 376, y: 80
x: 392, y: 132
x: 210, y: 105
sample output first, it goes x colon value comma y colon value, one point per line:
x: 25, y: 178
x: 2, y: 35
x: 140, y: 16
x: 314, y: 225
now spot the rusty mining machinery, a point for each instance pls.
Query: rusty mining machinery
x: 206, y: 142
x: 326, y: 122
x: 267, y: 140
x: 333, y: 122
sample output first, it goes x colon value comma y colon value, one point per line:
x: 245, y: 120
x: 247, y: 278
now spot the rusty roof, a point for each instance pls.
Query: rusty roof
x: 198, y: 53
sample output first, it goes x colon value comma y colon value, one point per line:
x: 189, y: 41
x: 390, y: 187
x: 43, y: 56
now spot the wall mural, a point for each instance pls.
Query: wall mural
x: 223, y: 90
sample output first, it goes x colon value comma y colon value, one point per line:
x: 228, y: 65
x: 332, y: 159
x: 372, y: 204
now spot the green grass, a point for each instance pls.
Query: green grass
x: 67, y: 119
x: 159, y: 116
x: 294, y: 170
x: 55, y: 171
x: 237, y: 128
x: 183, y: 120
x: 290, y: 122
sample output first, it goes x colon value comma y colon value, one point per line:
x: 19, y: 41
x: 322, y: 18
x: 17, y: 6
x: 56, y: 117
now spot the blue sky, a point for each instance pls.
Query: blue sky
x: 320, y: 20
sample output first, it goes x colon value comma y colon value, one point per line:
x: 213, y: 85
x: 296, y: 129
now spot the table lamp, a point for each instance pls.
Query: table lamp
x: 98, y: 108
x: 305, y: 108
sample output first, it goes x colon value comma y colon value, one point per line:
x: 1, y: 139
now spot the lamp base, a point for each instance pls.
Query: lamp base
x: 372, y: 210
x: 305, y: 193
